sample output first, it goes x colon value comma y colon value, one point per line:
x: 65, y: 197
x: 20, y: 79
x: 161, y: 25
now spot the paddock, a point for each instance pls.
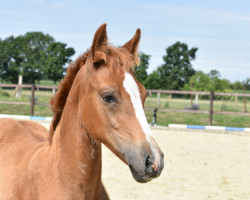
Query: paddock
x: 199, y: 165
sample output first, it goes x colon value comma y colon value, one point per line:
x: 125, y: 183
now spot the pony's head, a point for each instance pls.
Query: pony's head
x: 111, y: 105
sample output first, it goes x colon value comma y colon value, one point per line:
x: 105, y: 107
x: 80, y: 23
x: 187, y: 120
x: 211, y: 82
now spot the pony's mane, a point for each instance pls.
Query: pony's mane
x: 112, y: 56
x: 58, y: 101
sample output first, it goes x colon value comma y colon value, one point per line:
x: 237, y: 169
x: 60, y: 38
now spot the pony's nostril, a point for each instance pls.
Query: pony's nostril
x: 149, y: 162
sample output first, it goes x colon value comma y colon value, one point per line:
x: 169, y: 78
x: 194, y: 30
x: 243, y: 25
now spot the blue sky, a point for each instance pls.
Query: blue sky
x: 219, y: 28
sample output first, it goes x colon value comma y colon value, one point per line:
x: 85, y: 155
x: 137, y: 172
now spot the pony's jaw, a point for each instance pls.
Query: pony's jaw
x: 141, y: 162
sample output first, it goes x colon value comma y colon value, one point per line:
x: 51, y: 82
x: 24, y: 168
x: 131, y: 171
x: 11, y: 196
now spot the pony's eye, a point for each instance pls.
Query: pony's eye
x: 108, y: 98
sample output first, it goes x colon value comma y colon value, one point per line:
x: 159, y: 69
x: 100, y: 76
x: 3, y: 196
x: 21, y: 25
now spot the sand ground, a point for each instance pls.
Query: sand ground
x: 199, y: 165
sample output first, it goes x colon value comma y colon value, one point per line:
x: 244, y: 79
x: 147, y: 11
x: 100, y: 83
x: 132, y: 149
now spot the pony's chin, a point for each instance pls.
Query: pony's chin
x: 137, y: 177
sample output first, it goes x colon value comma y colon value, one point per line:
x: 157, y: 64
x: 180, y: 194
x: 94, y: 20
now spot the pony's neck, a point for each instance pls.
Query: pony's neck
x: 79, y: 161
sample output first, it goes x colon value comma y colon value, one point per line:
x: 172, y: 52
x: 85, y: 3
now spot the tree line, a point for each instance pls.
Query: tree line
x: 34, y: 55
x: 177, y: 73
x: 38, y: 56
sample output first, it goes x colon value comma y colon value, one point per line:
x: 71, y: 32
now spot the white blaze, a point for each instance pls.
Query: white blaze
x: 132, y: 89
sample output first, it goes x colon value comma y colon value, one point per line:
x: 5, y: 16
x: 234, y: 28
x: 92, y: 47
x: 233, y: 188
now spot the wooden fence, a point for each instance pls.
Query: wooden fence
x: 197, y: 93
x: 32, y: 102
x: 211, y: 95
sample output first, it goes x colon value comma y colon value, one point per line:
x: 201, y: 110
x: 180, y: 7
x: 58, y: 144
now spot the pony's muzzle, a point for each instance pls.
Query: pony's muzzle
x: 154, y: 166
x: 147, y: 167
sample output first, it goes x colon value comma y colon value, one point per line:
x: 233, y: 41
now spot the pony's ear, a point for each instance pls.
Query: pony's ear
x: 99, y: 44
x: 132, y: 45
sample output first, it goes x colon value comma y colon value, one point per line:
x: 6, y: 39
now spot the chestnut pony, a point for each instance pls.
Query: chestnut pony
x: 99, y: 101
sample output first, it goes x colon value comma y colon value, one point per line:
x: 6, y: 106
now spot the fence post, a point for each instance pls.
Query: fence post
x: 54, y: 89
x: 236, y: 101
x: 32, y: 101
x: 211, y: 108
x: 158, y: 99
x: 196, y: 99
x: 191, y: 96
x: 245, y: 100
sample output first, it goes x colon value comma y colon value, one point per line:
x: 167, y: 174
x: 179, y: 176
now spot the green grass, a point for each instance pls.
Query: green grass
x: 163, y: 118
x: 25, y: 110
x: 47, y: 82
x: 40, y: 96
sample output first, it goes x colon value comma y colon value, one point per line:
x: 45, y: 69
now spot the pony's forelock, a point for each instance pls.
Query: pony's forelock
x: 118, y: 58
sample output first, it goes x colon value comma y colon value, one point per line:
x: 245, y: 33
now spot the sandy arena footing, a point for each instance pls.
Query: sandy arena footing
x: 199, y: 165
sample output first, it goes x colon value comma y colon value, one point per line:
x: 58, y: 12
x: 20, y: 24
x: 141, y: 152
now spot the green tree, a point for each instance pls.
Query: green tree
x: 31, y: 55
x: 153, y: 80
x: 237, y: 85
x: 35, y: 47
x: 214, y: 74
x: 177, y: 69
x: 208, y: 82
x: 141, y: 69
x: 10, y: 59
x: 215, y: 79
x: 201, y: 82
x: 246, y: 83
x: 217, y: 83
x: 56, y: 57
x: 225, y: 85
